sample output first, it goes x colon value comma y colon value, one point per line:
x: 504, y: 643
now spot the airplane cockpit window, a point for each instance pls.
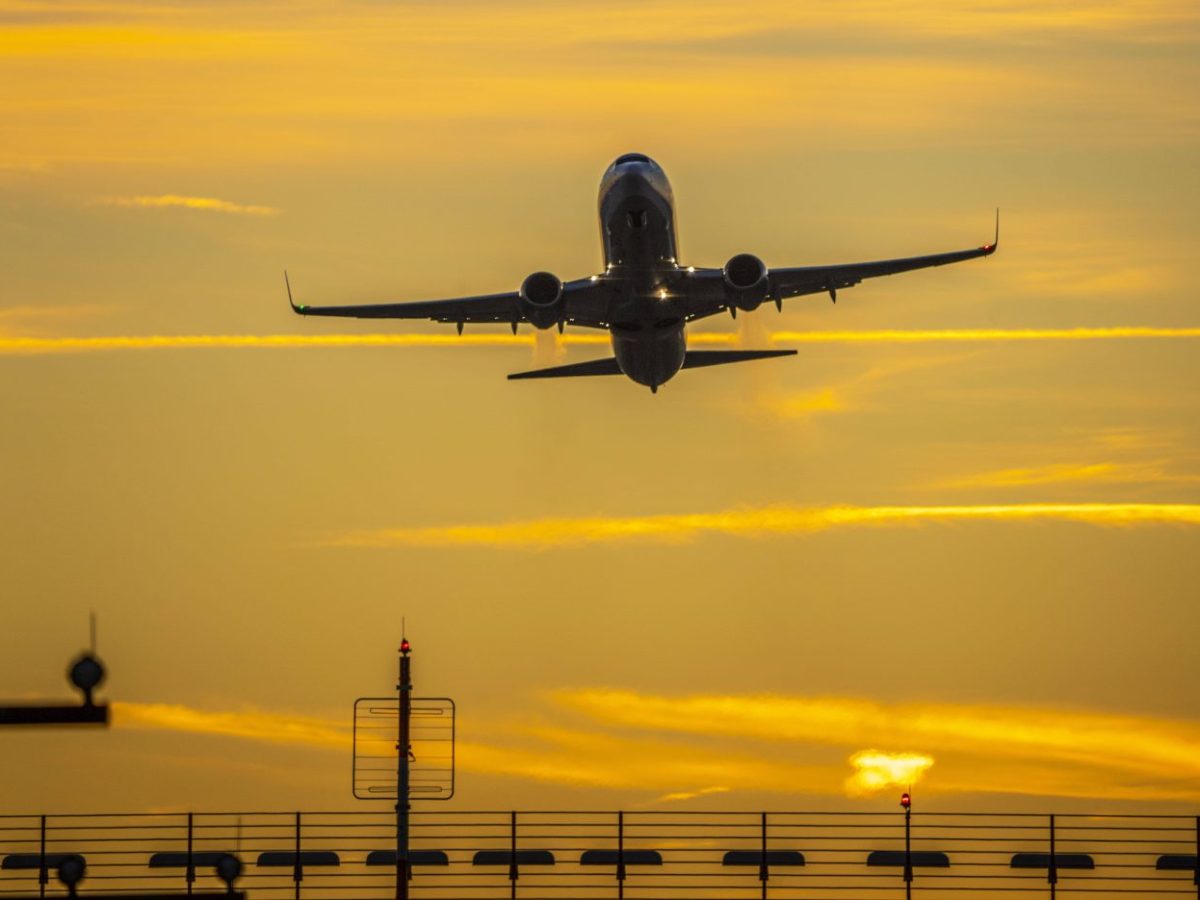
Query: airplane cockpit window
x: 633, y: 157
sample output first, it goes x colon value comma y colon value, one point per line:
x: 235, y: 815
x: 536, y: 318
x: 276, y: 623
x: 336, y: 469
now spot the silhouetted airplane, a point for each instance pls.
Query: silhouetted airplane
x: 644, y: 298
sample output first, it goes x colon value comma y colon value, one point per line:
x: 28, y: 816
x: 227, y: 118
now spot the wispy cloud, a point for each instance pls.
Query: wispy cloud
x: 758, y: 522
x: 684, y: 747
x: 1150, y: 472
x: 25, y: 319
x: 51, y: 345
x: 681, y: 796
x: 980, y: 747
x: 41, y: 346
x: 254, y: 725
x: 977, y: 335
x: 205, y: 204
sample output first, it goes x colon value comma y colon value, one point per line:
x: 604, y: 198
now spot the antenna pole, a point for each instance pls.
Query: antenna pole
x: 403, y: 747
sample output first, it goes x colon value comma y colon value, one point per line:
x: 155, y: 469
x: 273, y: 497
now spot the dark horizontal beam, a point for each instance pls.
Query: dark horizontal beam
x: 179, y: 860
x: 415, y: 858
x: 617, y: 857
x: 307, y: 858
x: 510, y: 857
x: 925, y: 858
x: 225, y: 895
x: 1061, y: 861
x: 54, y: 714
x: 756, y: 858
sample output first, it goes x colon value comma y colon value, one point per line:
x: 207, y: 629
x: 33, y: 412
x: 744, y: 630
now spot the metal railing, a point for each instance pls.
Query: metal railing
x: 586, y: 855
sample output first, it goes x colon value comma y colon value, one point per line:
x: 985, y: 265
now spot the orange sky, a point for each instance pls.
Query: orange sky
x: 954, y: 539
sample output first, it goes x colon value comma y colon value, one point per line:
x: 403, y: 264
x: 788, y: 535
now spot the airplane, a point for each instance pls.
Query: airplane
x: 644, y: 298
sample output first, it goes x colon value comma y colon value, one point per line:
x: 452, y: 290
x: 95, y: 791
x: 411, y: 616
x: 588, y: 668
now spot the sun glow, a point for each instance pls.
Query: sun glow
x: 876, y: 771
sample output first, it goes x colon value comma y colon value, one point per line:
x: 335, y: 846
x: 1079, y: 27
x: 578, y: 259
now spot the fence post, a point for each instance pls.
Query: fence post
x: 297, y: 869
x: 763, y: 872
x: 1052, y: 868
x: 191, y: 868
x: 513, y: 873
x: 43, y: 875
x: 908, y: 869
x: 620, y: 856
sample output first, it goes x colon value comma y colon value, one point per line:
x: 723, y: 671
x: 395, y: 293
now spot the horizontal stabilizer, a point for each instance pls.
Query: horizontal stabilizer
x: 591, y: 367
x: 697, y: 358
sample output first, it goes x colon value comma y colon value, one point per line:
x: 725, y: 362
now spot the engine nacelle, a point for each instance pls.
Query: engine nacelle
x: 746, y: 281
x: 541, y: 299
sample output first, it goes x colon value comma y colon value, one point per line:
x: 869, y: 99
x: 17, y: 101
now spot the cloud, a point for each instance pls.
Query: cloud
x: 25, y: 319
x: 345, y: 79
x: 802, y: 404
x: 680, y: 796
x: 980, y: 747
x: 1153, y: 472
x: 41, y: 346
x: 255, y: 725
x: 876, y: 771
x: 207, y: 204
x: 757, y: 522
x: 50, y: 345
x: 680, y: 748
x: 853, y: 393
x: 978, y: 335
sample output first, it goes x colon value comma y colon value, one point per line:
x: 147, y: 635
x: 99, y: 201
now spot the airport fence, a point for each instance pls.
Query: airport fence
x: 656, y: 855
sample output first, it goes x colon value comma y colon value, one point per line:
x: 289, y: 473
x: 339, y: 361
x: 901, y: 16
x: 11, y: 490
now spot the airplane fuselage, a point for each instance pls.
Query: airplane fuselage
x: 637, y: 231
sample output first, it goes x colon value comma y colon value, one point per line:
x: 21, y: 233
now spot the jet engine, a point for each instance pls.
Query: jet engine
x: 746, y: 281
x: 542, y: 299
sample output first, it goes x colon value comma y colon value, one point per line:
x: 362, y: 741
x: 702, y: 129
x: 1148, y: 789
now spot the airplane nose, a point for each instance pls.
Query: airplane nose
x: 630, y: 159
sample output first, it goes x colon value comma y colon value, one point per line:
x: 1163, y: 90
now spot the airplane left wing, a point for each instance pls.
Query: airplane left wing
x: 583, y: 301
x: 706, y: 294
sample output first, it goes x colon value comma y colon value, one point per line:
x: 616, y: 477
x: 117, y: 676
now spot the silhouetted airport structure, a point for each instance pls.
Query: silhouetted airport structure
x: 592, y: 855
x: 403, y: 750
x: 86, y: 674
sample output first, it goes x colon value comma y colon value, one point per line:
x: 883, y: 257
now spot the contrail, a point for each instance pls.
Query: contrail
x: 36, y: 345
x: 970, y: 335
x: 757, y: 522
x: 32, y: 346
x: 206, y: 204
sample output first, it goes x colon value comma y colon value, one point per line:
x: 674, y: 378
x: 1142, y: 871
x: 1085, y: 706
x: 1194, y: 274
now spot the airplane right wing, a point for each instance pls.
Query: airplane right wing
x: 584, y: 302
x: 705, y: 290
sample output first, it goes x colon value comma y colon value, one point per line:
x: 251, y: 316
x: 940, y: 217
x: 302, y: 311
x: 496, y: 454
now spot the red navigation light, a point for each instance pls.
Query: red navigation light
x: 905, y: 800
x: 405, y: 646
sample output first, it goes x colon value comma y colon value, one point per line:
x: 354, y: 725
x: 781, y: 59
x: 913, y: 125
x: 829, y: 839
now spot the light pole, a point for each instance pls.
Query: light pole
x: 403, y: 749
x: 906, y: 802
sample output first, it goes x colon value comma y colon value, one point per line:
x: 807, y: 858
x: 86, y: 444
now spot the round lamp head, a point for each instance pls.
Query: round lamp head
x: 71, y: 870
x: 86, y: 673
x: 905, y: 800
x: 229, y: 868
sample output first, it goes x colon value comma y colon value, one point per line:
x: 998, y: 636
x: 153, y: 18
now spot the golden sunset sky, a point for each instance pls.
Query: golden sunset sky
x: 956, y: 539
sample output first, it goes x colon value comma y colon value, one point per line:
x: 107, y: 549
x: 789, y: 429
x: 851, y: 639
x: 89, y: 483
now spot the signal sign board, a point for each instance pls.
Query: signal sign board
x: 431, y: 733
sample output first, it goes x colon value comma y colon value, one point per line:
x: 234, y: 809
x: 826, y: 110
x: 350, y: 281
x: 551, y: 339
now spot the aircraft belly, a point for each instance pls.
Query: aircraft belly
x: 651, y: 356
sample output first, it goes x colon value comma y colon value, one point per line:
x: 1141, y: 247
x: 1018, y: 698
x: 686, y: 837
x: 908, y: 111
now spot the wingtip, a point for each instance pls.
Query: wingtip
x: 991, y: 248
x: 296, y: 309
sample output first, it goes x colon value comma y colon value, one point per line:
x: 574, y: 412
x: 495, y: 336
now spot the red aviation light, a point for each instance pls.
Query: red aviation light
x: 405, y: 646
x: 905, y: 800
